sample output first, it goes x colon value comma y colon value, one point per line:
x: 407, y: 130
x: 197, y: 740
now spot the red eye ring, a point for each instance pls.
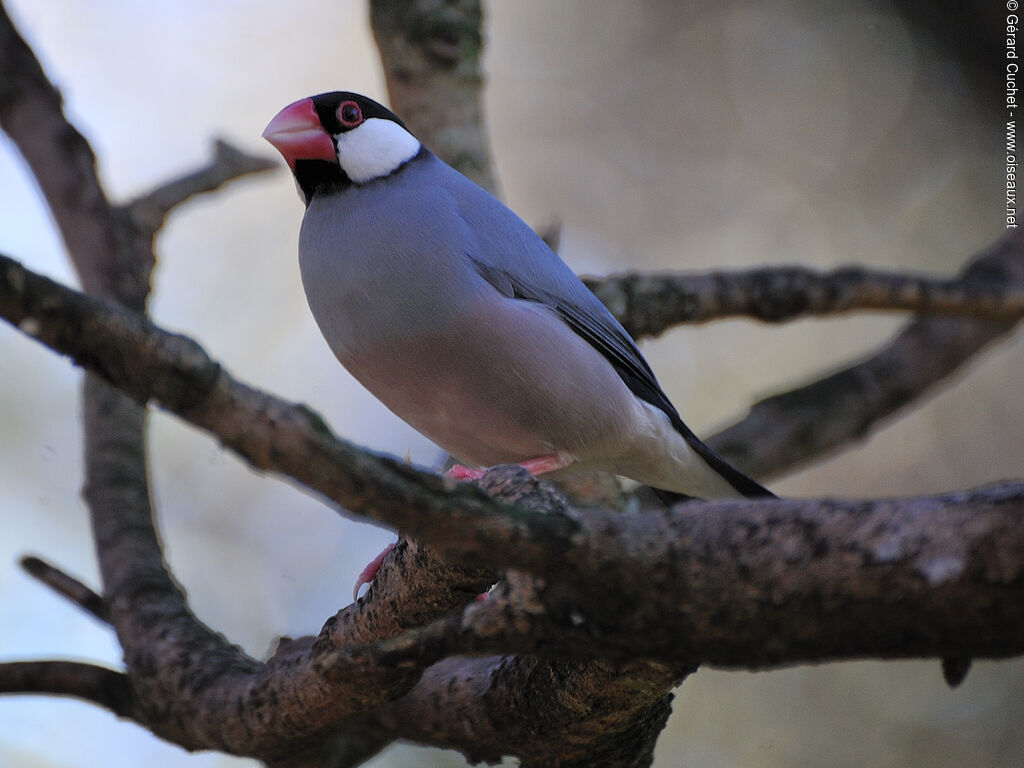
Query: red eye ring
x: 349, y: 114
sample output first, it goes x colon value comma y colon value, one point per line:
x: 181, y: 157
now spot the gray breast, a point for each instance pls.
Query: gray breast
x: 489, y: 378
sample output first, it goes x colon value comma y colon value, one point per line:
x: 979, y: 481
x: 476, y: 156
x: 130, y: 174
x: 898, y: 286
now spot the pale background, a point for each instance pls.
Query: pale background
x: 741, y: 133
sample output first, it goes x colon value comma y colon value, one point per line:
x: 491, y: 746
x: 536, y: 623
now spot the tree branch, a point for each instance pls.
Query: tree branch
x: 189, y: 682
x: 147, y: 362
x: 578, y: 549
x: 787, y: 430
x: 412, y: 587
x: 88, y: 682
x: 833, y: 574
x: 432, y: 57
x: 577, y: 714
x: 602, y: 586
x: 98, y: 237
x: 67, y: 586
x: 149, y: 211
x: 648, y: 304
x: 805, y: 581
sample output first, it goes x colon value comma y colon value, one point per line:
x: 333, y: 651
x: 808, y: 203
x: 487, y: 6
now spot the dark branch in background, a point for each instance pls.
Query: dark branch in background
x: 967, y: 31
x: 432, y: 54
x: 648, y: 304
x: 227, y: 164
x: 790, y: 429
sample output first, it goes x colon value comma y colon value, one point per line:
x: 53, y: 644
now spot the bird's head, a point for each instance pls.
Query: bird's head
x: 337, y: 139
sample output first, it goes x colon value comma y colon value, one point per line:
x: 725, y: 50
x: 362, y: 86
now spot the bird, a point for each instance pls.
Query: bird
x: 456, y: 315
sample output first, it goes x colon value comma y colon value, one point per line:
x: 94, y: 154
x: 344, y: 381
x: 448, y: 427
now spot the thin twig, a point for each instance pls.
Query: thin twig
x: 67, y: 586
x: 89, y: 682
x: 227, y: 164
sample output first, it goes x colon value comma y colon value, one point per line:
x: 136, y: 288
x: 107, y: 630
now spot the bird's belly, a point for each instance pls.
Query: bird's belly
x: 502, y: 382
x: 463, y: 412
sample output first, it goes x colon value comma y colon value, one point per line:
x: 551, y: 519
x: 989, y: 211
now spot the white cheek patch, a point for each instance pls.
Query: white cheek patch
x: 375, y: 149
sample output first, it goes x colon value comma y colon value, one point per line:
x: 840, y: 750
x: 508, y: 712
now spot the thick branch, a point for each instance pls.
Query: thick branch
x: 578, y: 714
x: 147, y: 362
x: 413, y: 587
x: 805, y: 581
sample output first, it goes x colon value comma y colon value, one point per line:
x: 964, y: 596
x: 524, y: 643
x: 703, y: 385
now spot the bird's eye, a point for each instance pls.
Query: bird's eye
x: 349, y: 114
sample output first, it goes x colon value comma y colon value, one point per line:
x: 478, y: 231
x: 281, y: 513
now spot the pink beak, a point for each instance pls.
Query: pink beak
x: 297, y: 134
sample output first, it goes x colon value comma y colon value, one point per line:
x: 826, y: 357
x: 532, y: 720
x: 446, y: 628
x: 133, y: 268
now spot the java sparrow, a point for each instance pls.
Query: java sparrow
x: 455, y: 314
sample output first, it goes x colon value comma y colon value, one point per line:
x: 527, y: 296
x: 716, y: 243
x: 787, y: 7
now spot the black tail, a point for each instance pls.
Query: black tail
x: 744, y: 485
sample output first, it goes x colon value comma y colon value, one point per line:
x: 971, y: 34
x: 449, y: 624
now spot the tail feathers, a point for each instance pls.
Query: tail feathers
x: 745, y: 486
x: 668, y: 498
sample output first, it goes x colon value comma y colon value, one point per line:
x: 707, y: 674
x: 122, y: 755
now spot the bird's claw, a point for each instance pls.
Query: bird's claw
x: 370, y: 571
x: 459, y: 472
x: 537, y: 466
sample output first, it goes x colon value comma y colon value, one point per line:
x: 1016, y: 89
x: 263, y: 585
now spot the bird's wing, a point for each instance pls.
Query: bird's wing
x: 589, y: 319
x: 512, y: 258
x: 521, y: 266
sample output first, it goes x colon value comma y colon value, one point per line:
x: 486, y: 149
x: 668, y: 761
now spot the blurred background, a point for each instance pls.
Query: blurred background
x: 662, y: 134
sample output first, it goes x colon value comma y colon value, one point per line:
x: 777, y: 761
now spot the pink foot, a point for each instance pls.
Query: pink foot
x: 537, y: 466
x: 370, y: 571
x: 459, y: 472
x: 543, y: 464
